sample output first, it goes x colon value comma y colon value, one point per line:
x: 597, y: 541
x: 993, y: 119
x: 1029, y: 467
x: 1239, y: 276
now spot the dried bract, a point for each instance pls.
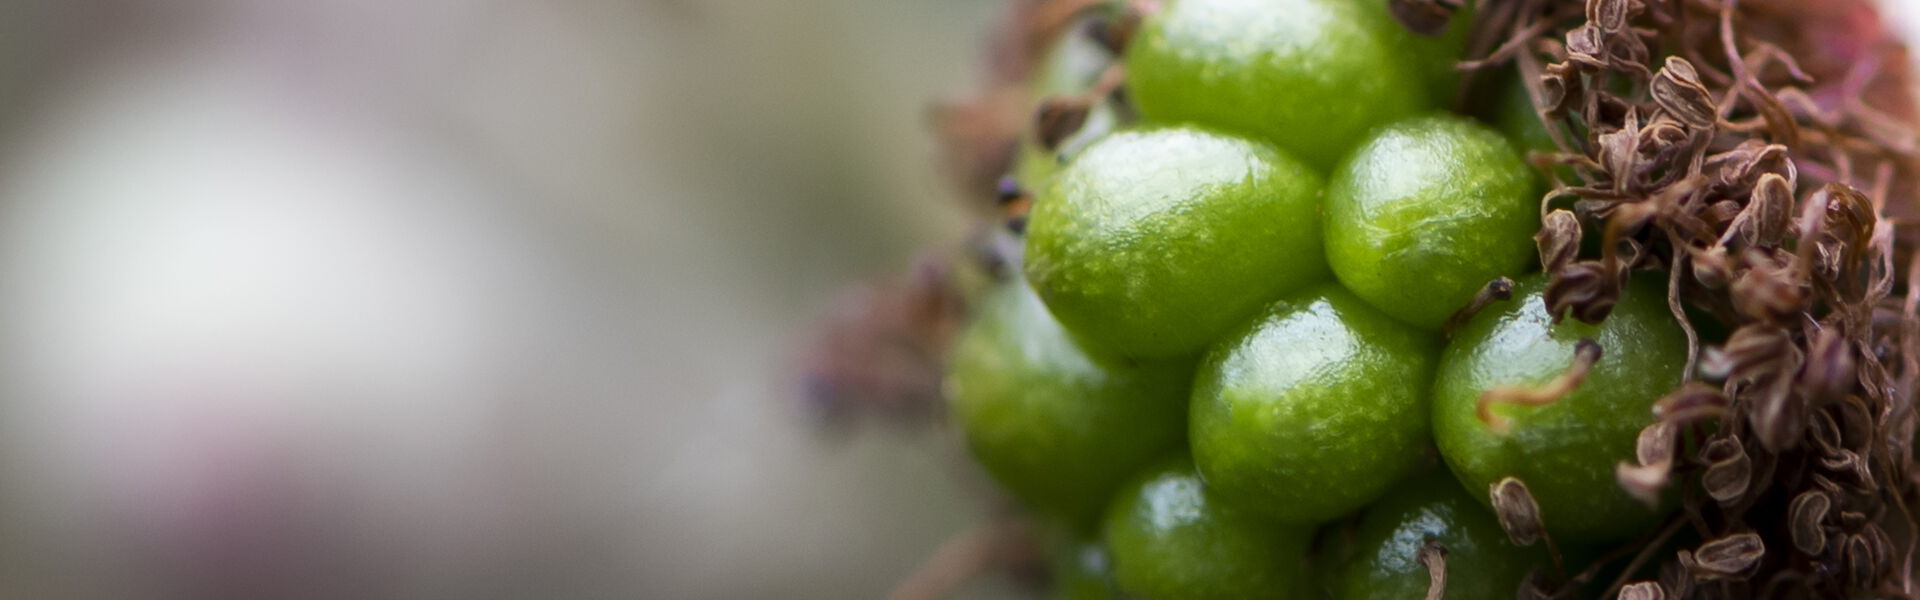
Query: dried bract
x: 1519, y: 515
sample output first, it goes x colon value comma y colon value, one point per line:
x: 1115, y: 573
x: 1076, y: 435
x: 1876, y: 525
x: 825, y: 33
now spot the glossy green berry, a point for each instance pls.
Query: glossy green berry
x: 1169, y: 538
x: 1311, y: 75
x: 1566, y: 451
x: 1480, y: 561
x: 1434, y: 57
x: 1056, y: 423
x: 1313, y: 409
x: 1153, y: 242
x: 1426, y: 212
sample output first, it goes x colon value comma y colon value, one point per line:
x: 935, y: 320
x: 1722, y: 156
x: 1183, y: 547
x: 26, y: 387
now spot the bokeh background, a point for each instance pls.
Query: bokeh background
x: 461, y: 298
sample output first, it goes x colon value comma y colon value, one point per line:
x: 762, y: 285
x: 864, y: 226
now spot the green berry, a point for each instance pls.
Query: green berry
x: 1426, y: 212
x: 1434, y: 57
x: 1311, y: 75
x: 1081, y: 570
x: 1313, y: 409
x: 1058, y: 424
x: 1169, y: 538
x: 1566, y: 451
x: 1480, y: 562
x: 1153, y: 242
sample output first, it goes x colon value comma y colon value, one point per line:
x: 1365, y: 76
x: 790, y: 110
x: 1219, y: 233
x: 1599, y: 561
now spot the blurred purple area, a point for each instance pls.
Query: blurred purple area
x: 458, y: 298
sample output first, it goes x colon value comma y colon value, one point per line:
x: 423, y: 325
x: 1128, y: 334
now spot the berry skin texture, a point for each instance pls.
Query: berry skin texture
x: 1313, y: 409
x: 1060, y: 426
x: 1153, y: 242
x: 1480, y: 562
x: 1311, y: 75
x: 1566, y: 451
x: 1080, y: 571
x: 1434, y: 56
x: 1426, y: 212
x: 1169, y: 539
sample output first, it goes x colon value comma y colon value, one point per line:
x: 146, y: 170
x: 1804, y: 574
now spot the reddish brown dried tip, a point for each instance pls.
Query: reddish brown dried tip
x: 1500, y: 289
x: 1585, y: 353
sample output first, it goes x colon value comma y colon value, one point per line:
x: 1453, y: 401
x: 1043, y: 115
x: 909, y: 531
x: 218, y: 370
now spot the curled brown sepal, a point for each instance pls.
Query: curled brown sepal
x: 1710, y: 267
x: 1585, y: 353
x: 1558, y: 239
x: 1771, y: 290
x: 1498, y: 290
x: 1643, y: 590
x: 1610, y: 15
x: 1586, y: 288
x: 1425, y: 17
x: 1693, y: 401
x: 1519, y: 515
x: 1729, y: 471
x: 1654, y: 455
x: 1678, y: 92
x: 1806, y: 519
x: 1729, y: 556
x: 1753, y: 353
x: 1829, y: 371
x: 1768, y: 214
x: 1434, y: 557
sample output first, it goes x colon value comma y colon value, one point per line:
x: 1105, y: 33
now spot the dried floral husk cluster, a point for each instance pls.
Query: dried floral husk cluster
x: 1706, y: 151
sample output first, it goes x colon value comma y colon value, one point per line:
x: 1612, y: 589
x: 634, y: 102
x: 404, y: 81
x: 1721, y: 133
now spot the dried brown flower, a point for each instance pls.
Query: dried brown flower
x: 1807, y: 521
x: 1519, y: 515
x: 1729, y: 555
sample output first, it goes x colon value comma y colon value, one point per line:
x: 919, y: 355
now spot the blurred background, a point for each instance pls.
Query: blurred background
x: 461, y: 298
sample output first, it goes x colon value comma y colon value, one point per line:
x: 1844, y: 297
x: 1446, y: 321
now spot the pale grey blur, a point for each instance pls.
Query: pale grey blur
x: 458, y: 298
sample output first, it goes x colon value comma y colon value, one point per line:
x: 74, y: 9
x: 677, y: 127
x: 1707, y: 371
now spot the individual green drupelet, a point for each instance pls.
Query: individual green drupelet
x: 1481, y: 563
x: 1426, y: 212
x: 1170, y: 538
x: 1079, y: 569
x: 1566, y: 451
x: 1058, y: 424
x: 1311, y: 75
x: 1313, y: 408
x: 1154, y: 241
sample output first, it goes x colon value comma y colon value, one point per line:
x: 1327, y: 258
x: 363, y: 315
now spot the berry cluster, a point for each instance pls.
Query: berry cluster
x: 1266, y: 338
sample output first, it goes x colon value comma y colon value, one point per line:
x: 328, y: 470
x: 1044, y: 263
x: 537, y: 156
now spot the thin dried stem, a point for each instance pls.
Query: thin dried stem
x: 1585, y: 353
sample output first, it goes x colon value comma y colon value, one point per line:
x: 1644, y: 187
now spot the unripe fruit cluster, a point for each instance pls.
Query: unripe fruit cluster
x: 1232, y: 325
